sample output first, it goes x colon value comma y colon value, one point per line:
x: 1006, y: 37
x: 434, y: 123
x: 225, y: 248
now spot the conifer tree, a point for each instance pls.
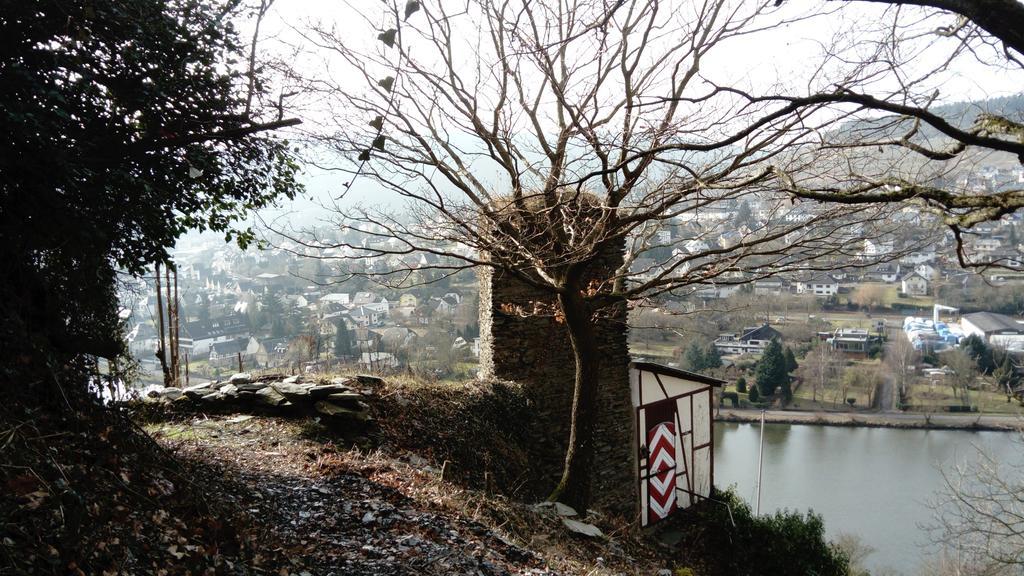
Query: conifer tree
x: 791, y: 364
x: 694, y: 358
x: 712, y: 357
x: 771, y: 369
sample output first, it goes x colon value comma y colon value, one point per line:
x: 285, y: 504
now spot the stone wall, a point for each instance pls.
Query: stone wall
x: 535, y: 351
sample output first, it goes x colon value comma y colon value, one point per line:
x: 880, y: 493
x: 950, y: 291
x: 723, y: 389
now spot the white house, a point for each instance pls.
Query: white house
x: 363, y: 316
x: 379, y: 304
x: 927, y: 270
x: 874, y: 249
x: 336, y: 298
x: 915, y: 284
x: 753, y: 340
x: 920, y: 257
x: 376, y: 361
x: 818, y: 284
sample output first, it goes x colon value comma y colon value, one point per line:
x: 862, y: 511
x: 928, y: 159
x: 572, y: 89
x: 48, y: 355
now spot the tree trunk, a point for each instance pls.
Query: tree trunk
x: 161, y: 350
x: 574, y: 487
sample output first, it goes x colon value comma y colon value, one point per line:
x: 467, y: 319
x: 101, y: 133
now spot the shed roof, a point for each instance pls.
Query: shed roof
x: 676, y: 372
x: 992, y: 322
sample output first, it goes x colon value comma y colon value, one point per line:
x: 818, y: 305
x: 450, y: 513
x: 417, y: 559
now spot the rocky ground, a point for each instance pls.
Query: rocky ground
x: 285, y: 476
x: 343, y: 512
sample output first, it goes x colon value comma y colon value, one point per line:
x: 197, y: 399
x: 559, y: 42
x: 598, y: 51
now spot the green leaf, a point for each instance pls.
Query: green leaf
x: 388, y: 37
x: 411, y: 7
x: 386, y: 83
x: 377, y: 123
x: 364, y: 155
x: 378, y: 143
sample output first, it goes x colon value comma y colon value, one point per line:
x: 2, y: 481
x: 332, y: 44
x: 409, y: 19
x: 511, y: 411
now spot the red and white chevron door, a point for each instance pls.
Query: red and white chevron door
x: 661, y: 483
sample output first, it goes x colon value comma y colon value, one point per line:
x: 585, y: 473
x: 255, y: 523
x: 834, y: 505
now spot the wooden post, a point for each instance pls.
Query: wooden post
x: 161, y: 350
x: 240, y: 368
x: 176, y: 352
x: 173, y: 375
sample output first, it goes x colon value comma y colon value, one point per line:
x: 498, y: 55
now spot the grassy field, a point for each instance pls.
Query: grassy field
x: 890, y: 296
x: 939, y: 395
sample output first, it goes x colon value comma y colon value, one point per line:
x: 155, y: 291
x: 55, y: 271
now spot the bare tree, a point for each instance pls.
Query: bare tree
x: 870, y: 296
x: 979, y: 515
x: 899, y: 356
x: 821, y: 366
x: 897, y: 141
x: 964, y: 376
x: 536, y: 138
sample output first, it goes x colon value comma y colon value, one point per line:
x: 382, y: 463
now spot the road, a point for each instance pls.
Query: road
x: 886, y: 394
x: 879, y: 419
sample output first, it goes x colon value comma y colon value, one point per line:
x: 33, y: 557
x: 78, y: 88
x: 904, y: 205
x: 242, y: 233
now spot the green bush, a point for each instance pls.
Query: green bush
x: 785, y: 542
x: 754, y: 394
x: 741, y: 385
x: 732, y: 397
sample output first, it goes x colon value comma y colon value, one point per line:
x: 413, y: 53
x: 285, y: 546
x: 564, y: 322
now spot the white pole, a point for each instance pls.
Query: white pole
x: 760, y: 461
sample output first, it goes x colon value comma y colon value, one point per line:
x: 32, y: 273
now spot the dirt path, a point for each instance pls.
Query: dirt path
x: 330, y: 510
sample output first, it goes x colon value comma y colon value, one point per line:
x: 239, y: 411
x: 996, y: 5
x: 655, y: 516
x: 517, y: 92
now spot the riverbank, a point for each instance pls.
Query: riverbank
x: 998, y: 423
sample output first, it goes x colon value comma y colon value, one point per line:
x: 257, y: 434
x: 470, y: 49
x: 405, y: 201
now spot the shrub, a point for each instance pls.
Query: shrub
x: 851, y: 401
x: 781, y: 543
x: 732, y: 397
x: 754, y: 395
x: 741, y: 385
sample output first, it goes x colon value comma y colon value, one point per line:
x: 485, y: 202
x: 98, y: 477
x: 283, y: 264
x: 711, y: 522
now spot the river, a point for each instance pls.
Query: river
x: 871, y: 482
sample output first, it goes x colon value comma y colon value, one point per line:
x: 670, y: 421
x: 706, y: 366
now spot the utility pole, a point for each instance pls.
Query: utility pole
x: 760, y: 466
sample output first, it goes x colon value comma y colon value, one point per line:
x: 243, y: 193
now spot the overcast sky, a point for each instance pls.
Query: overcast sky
x: 755, y: 62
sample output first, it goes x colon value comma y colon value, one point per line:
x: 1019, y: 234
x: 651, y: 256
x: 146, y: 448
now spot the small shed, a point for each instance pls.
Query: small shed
x: 674, y: 437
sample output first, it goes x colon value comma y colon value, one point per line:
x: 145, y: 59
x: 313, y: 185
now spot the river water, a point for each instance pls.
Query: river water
x: 872, y: 482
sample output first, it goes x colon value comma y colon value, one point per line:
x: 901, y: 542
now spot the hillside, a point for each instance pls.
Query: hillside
x: 959, y: 114
x: 430, y: 484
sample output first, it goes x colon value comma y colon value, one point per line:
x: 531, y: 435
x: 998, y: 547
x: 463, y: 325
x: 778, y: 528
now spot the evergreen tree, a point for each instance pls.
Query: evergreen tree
x: 771, y: 369
x: 271, y: 312
x: 342, y: 341
x: 980, y: 352
x: 203, y: 308
x: 694, y: 359
x: 791, y: 364
x: 741, y: 385
x: 754, y: 395
x: 712, y: 357
x: 744, y: 216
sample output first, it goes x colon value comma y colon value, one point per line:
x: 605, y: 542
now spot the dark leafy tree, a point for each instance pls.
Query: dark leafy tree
x: 125, y: 124
x: 791, y: 364
x: 754, y: 395
x: 694, y: 358
x: 771, y: 369
x: 712, y: 358
x: 741, y: 385
x: 272, y: 313
x: 735, y: 541
x: 342, y: 340
x: 744, y: 216
x: 203, y: 308
x: 980, y: 352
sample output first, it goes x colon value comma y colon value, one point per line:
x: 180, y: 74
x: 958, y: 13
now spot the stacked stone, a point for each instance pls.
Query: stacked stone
x: 341, y: 400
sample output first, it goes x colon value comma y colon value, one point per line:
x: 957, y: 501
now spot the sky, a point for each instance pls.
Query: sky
x: 783, y: 56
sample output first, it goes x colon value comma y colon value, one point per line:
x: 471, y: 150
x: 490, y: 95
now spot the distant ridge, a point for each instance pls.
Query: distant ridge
x: 960, y: 114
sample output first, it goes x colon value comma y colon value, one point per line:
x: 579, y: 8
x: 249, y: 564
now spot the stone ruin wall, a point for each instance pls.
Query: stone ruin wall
x: 536, y: 352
